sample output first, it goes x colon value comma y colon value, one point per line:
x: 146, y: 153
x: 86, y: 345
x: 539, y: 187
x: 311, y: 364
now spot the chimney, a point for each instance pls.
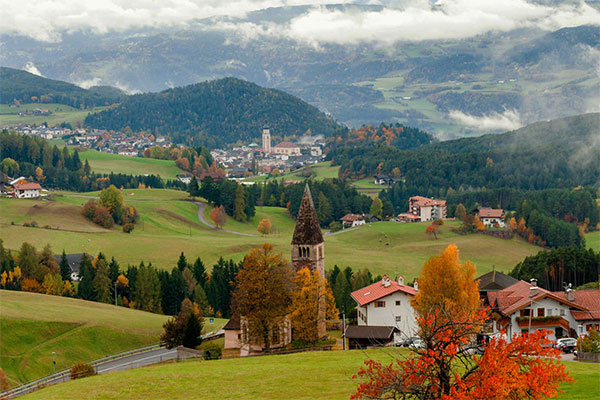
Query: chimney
x: 400, y: 280
x: 416, y: 285
x: 385, y: 281
x: 570, y: 293
x: 533, y: 290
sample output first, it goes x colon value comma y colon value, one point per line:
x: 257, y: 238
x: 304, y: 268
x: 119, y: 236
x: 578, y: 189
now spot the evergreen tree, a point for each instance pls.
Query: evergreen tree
x: 114, y: 270
x: 182, y: 262
x: 193, y: 187
x: 85, y: 289
x: 101, y: 283
x: 65, y: 269
x: 239, y: 205
x: 201, y: 300
x: 323, y: 209
x: 76, y: 162
x: 147, y: 291
x: 87, y: 170
x: 191, y: 332
x: 200, y: 272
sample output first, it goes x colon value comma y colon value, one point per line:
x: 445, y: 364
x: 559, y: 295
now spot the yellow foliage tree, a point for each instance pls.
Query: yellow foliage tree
x: 478, y: 224
x: 513, y: 223
x: 447, y: 287
x: 39, y: 174
x: 122, y: 281
x: 521, y: 227
x: 311, y: 292
x: 53, y: 285
x: 68, y: 290
x: 264, y: 226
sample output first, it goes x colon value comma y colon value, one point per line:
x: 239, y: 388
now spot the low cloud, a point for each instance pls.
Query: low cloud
x: 32, y: 69
x: 507, y: 121
x: 88, y: 83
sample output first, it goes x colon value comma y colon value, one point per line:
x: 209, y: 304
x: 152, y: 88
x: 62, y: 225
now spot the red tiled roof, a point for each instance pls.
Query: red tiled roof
x: 426, y: 202
x: 408, y: 216
x: 377, y: 291
x: 490, y: 213
x: 515, y: 297
x: 352, y: 217
x: 28, y: 186
x: 287, y: 144
x: 586, y: 298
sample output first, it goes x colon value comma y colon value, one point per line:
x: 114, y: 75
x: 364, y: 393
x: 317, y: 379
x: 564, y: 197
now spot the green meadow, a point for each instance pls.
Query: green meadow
x: 169, y: 225
x: 59, y: 113
x: 322, y: 170
x: 105, y: 163
x: 312, y: 375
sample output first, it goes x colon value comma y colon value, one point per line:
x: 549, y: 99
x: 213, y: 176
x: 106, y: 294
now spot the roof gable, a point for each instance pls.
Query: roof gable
x: 379, y: 290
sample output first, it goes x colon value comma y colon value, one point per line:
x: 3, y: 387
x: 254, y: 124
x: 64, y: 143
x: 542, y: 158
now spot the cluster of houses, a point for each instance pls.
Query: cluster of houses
x: 43, y: 131
x: 386, y: 317
x: 242, y: 161
x: 20, y: 188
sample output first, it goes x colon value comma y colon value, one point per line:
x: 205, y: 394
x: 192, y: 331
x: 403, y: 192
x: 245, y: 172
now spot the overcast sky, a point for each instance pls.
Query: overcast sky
x: 45, y: 20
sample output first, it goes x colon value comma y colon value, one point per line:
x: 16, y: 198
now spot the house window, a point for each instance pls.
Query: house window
x: 239, y: 336
x: 379, y: 304
x: 525, y: 312
x: 540, y: 312
x: 398, y: 318
x: 398, y: 302
x: 562, y: 312
x: 549, y: 312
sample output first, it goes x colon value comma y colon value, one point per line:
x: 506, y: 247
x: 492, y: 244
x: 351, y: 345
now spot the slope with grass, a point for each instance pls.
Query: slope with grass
x: 33, y: 326
x: 59, y: 113
x: 325, y: 375
x: 321, y: 171
x: 105, y: 163
x: 169, y: 225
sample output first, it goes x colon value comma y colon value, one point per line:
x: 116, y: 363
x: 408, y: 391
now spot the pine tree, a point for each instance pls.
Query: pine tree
x: 191, y: 332
x: 193, y: 188
x: 87, y: 170
x: 200, y: 272
x: 239, y: 204
x: 114, y: 270
x: 323, y: 209
x: 182, y: 262
x: 85, y: 289
x: 76, y: 161
x: 65, y: 269
x: 101, y: 283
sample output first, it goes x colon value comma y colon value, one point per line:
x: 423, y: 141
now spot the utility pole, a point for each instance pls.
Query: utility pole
x: 53, y: 364
x: 344, y: 330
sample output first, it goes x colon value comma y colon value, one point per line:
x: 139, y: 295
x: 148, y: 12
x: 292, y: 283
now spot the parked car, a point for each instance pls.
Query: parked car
x: 567, y: 345
x: 417, y: 344
x: 407, y: 342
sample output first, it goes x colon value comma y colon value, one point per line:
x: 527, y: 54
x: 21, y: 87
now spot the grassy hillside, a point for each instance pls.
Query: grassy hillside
x: 60, y: 113
x: 592, y: 240
x: 105, y: 163
x: 324, y: 375
x: 32, y: 326
x: 169, y: 225
x: 321, y: 170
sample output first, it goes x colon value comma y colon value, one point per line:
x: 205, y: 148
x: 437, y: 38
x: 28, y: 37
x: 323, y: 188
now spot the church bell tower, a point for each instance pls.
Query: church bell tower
x: 308, y: 249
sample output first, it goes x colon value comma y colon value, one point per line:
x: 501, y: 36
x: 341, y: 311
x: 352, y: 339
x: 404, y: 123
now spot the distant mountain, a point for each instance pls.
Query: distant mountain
x: 215, y: 113
x: 27, y: 88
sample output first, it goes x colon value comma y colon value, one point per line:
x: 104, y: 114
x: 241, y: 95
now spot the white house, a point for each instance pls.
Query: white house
x: 27, y: 190
x: 427, y: 209
x: 491, y: 216
x: 352, y: 220
x: 387, y: 303
x: 525, y: 307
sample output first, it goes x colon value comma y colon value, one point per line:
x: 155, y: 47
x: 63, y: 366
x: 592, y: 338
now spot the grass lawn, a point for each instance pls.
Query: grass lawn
x: 169, y: 225
x: 60, y: 113
x: 323, y: 375
x: 592, y: 240
x: 105, y: 163
x: 33, y: 325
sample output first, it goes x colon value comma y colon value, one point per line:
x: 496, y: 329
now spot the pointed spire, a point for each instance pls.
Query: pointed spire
x: 308, y: 229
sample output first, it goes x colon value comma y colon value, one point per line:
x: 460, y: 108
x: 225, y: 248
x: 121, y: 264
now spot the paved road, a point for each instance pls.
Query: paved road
x: 202, y: 207
x: 121, y: 364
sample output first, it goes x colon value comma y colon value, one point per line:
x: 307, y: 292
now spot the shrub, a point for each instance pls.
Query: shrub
x: 81, y: 370
x: 127, y: 228
x: 590, y: 343
x: 335, y: 226
x: 212, y: 351
x: 103, y: 218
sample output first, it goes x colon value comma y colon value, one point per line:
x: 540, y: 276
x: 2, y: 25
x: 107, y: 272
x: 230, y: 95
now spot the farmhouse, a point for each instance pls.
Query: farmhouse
x: 384, y: 180
x: 26, y: 190
x: 525, y: 306
x: 74, y: 261
x: 362, y: 337
x: 387, y: 304
x: 185, y: 178
x: 427, y: 209
x: 351, y: 220
x: 491, y: 216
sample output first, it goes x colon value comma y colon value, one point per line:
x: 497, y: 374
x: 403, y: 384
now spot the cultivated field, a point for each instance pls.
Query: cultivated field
x: 314, y: 375
x: 32, y: 326
x: 169, y: 224
x: 105, y: 163
x: 60, y: 113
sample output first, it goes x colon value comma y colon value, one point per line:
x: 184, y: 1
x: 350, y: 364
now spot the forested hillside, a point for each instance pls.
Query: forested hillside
x: 215, y: 113
x: 29, y: 88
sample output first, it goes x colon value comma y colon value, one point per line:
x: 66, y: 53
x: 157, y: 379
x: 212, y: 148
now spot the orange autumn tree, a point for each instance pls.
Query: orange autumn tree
x: 432, y: 230
x: 449, y: 315
x: 218, y: 216
x: 310, y: 291
x: 264, y: 226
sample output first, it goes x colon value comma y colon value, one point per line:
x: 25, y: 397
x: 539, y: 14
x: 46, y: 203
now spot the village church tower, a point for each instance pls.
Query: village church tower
x: 308, y: 249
